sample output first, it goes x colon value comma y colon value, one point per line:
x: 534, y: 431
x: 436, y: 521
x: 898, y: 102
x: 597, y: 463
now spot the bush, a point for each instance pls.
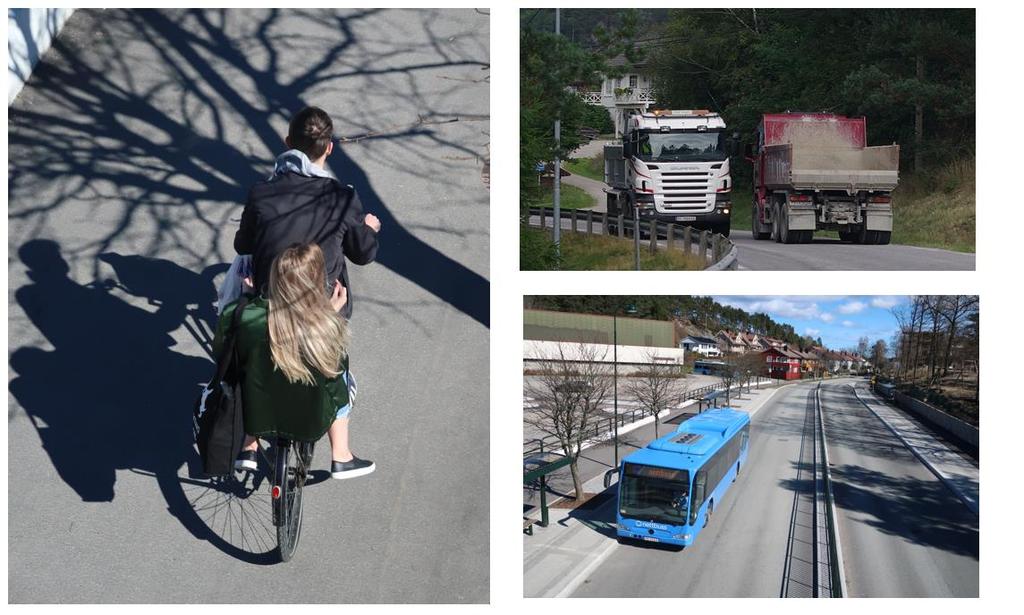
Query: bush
x: 536, y: 251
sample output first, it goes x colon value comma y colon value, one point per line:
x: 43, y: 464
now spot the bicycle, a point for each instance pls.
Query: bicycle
x: 290, y: 463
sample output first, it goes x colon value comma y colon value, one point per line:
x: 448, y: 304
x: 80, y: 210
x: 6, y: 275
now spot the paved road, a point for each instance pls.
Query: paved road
x: 831, y: 254
x: 131, y: 150
x: 742, y: 552
x: 745, y: 550
x: 904, y: 534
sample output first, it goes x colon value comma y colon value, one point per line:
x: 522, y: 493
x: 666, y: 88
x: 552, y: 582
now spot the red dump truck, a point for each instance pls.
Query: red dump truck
x: 814, y: 171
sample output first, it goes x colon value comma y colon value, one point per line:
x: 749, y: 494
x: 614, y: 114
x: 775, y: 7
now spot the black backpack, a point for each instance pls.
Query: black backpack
x: 217, y: 418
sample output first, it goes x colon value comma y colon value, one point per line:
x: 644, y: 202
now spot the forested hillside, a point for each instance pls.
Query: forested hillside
x: 704, y: 312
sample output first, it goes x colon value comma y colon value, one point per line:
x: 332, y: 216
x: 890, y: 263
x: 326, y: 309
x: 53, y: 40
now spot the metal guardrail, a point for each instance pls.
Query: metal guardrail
x: 715, y: 250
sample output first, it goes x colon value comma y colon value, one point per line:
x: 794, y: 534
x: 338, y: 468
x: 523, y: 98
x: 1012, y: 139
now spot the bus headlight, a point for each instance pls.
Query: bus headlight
x: 682, y: 537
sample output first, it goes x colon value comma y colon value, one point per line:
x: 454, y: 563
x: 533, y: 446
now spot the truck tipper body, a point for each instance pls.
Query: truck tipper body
x: 673, y: 166
x: 814, y: 171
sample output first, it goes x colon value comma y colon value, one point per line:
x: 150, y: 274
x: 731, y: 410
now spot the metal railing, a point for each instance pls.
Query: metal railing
x: 837, y: 580
x: 600, y: 428
x: 716, y: 251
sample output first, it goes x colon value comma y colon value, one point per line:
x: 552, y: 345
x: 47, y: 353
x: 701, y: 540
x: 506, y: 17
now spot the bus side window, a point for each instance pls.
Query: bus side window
x: 699, y: 483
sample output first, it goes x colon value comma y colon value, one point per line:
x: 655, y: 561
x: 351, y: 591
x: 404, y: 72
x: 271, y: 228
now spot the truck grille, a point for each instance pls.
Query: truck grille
x: 687, y: 191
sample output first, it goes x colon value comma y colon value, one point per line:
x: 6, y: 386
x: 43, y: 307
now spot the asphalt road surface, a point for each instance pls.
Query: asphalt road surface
x: 131, y: 151
x: 831, y: 254
x: 744, y: 550
x: 904, y: 534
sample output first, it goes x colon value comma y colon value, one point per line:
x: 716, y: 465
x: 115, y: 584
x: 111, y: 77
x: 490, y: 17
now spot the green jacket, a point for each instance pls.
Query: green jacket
x: 272, y: 404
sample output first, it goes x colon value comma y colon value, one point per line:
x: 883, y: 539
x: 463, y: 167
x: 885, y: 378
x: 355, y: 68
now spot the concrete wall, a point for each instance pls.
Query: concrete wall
x: 30, y: 32
x: 965, y: 431
x: 636, y: 355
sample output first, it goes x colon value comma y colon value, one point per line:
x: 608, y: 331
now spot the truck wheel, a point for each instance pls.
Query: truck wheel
x: 785, y: 235
x: 755, y: 226
x: 806, y: 236
x: 883, y: 237
x: 775, y: 224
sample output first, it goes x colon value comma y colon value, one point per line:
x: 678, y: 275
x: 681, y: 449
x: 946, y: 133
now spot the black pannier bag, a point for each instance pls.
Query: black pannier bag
x: 217, y: 418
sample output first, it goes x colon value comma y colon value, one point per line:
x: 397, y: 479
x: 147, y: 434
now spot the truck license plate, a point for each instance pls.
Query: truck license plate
x: 686, y: 218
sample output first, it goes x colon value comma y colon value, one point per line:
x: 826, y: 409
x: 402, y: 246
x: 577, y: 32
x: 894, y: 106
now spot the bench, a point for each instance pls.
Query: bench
x: 528, y: 526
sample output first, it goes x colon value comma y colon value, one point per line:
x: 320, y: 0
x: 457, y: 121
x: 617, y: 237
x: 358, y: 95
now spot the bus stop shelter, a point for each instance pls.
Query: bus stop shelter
x: 537, y: 467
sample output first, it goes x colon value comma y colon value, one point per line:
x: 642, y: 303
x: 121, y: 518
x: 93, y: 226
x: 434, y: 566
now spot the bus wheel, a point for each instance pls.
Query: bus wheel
x: 711, y: 509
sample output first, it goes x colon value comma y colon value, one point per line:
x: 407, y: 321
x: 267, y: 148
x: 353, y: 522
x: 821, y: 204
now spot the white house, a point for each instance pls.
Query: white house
x: 634, y: 88
x: 704, y: 346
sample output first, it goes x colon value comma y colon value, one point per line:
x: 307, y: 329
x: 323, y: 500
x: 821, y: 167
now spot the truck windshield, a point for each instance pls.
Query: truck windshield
x: 656, y: 494
x: 681, y: 146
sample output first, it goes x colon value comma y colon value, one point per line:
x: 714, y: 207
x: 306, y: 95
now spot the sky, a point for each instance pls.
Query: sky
x: 840, y: 320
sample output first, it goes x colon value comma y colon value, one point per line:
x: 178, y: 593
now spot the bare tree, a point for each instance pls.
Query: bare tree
x: 658, y: 386
x: 572, y: 384
x: 878, y: 352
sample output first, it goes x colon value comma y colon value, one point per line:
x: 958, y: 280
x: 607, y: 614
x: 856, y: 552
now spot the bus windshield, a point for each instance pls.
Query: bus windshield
x: 657, y: 494
x: 682, y: 146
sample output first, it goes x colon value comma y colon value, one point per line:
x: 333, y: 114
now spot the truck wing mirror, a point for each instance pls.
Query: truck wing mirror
x: 608, y: 477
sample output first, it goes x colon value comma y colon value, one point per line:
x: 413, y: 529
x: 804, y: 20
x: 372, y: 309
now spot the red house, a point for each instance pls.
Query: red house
x: 783, y: 363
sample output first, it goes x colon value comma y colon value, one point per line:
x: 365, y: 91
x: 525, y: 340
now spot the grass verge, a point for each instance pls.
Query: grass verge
x: 582, y: 252
x: 571, y: 197
x: 592, y: 168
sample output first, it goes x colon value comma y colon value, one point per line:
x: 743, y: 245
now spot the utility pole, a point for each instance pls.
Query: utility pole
x: 615, y: 380
x: 556, y: 236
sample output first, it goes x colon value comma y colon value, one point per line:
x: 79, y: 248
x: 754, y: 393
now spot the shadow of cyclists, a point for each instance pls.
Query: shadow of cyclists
x: 112, y: 394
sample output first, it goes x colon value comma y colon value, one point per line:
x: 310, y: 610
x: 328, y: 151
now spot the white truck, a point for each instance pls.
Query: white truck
x: 673, y: 166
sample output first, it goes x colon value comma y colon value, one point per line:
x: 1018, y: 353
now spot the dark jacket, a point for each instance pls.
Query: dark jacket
x: 272, y: 404
x: 293, y: 208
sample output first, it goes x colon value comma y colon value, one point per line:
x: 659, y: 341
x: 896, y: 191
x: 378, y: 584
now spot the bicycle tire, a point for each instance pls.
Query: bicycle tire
x: 290, y: 475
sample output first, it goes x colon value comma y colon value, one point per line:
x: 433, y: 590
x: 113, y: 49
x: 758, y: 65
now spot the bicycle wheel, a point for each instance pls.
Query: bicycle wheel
x: 291, y: 468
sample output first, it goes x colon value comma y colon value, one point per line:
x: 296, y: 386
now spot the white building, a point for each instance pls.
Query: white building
x: 704, y: 346
x: 634, y: 88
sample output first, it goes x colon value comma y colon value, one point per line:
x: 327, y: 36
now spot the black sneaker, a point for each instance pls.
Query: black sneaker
x: 351, y: 469
x: 246, y: 460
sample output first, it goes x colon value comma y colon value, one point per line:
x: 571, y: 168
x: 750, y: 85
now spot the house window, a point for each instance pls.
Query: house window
x: 607, y: 86
x: 632, y: 81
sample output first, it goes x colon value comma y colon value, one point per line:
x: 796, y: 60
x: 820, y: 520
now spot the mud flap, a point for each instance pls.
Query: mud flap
x: 878, y: 219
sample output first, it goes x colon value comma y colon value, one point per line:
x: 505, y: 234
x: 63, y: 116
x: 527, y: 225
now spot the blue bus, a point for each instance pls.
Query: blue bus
x: 710, y: 368
x: 669, y: 489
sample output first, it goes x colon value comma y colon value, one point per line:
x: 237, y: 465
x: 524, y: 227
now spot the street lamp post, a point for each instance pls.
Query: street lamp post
x: 630, y: 309
x: 615, y: 380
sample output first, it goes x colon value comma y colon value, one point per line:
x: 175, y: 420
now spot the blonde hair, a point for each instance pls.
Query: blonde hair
x: 305, y: 331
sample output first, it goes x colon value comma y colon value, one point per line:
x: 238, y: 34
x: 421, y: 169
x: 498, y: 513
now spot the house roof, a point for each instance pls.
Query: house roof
x: 700, y: 339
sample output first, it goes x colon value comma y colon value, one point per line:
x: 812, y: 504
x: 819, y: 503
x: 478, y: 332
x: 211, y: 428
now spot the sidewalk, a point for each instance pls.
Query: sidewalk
x: 559, y: 557
x: 956, y: 471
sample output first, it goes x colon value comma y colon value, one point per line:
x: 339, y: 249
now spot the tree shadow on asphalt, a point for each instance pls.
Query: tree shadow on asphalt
x: 114, y: 395
x: 921, y: 512
x: 159, y: 147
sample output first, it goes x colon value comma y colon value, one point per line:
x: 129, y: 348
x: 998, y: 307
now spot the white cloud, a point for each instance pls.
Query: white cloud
x: 852, y: 307
x: 849, y: 323
x: 826, y: 317
x: 885, y: 302
x: 811, y: 331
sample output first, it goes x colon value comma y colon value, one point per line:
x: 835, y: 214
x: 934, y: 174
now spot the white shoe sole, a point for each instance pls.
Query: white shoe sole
x: 242, y: 466
x: 354, y: 473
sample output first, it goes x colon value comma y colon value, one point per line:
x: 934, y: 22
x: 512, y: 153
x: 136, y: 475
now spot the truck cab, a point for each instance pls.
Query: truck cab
x: 674, y: 165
